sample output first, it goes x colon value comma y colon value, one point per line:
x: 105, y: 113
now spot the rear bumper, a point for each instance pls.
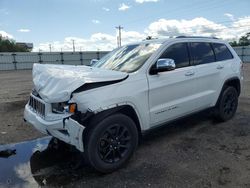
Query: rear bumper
x: 66, y: 129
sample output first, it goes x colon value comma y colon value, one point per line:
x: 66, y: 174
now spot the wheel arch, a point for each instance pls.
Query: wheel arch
x: 234, y: 82
x: 126, y: 109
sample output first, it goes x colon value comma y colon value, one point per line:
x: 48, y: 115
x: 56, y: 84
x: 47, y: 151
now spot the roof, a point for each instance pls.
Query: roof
x: 180, y: 38
x: 196, y: 37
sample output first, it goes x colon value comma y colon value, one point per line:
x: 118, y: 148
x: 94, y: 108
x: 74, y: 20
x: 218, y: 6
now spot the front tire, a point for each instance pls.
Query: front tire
x: 227, y: 104
x: 111, y: 142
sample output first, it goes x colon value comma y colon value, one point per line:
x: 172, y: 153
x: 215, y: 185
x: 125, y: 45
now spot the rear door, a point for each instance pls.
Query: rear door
x: 224, y: 58
x: 171, y: 93
x: 225, y: 64
x: 207, y: 73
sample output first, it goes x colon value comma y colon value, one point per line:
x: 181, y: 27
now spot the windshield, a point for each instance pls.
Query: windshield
x: 128, y: 58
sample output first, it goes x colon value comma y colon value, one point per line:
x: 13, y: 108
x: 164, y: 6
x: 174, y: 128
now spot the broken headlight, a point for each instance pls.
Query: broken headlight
x: 63, y: 107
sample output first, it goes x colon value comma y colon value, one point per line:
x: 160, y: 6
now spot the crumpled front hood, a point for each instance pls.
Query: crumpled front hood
x: 55, y: 83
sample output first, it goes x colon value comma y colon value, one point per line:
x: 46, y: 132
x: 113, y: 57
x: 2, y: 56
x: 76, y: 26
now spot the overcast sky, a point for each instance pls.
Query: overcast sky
x: 91, y: 23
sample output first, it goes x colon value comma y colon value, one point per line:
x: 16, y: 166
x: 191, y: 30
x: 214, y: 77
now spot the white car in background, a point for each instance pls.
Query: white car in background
x: 102, y: 109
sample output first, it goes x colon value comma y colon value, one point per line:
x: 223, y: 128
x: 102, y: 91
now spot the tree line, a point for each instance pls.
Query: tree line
x: 8, y: 45
x: 243, y: 41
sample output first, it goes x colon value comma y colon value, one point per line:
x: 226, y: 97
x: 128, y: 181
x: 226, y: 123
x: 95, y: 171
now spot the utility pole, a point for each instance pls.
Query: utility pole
x: 49, y: 47
x: 73, y: 41
x: 119, y: 38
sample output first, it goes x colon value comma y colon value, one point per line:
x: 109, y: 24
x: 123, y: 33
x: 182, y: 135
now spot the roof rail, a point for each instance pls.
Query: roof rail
x: 196, y: 37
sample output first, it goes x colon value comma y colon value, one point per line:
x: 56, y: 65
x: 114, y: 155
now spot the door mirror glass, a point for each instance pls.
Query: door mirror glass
x: 165, y: 65
x: 93, y: 61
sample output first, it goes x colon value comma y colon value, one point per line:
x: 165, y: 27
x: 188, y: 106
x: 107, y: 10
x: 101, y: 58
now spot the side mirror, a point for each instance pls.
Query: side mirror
x: 163, y: 65
x: 93, y: 61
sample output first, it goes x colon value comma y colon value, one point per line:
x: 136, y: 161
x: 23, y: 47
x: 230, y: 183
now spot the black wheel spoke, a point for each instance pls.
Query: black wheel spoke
x: 128, y: 138
x: 105, y: 140
x: 122, y: 135
x: 123, y: 146
x: 117, y: 131
x: 110, y: 133
x: 119, y: 153
x: 107, y: 154
x: 113, y: 155
x: 105, y: 148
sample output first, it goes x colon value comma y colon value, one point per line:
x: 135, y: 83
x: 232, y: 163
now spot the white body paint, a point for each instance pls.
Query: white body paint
x: 156, y: 99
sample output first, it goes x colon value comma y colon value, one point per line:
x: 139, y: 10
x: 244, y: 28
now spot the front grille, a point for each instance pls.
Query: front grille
x: 37, y: 105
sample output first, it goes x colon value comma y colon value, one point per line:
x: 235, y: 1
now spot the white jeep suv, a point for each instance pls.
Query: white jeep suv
x: 102, y: 109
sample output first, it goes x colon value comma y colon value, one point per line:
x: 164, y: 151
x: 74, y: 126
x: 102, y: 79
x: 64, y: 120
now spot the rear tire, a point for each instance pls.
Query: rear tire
x: 227, y: 104
x: 111, y: 142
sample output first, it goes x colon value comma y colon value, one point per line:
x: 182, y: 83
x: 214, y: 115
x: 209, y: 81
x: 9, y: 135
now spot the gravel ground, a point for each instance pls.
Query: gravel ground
x: 193, y: 152
x: 14, y: 93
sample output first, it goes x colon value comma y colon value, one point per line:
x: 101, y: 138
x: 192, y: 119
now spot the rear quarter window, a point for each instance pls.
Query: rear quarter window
x: 222, y: 52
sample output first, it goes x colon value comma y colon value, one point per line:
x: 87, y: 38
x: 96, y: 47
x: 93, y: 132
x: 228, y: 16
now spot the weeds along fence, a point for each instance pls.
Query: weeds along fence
x: 19, y: 61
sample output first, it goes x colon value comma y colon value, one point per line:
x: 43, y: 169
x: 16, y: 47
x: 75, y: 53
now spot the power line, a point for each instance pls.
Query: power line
x: 188, y: 8
x: 198, y: 7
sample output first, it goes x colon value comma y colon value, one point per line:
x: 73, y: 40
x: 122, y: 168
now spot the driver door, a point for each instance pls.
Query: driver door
x: 171, y: 93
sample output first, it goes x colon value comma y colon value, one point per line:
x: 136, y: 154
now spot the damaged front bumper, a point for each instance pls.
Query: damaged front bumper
x: 65, y: 129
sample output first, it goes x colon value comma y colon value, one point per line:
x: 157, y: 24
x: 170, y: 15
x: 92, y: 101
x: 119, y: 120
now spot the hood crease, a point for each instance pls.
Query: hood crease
x: 55, y: 83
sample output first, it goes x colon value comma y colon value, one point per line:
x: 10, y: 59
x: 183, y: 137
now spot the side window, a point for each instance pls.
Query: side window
x: 202, y: 53
x: 222, y: 52
x: 179, y: 53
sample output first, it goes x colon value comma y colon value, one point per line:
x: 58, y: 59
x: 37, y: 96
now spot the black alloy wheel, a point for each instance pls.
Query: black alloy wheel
x: 114, y: 143
x: 228, y: 104
x: 110, y: 143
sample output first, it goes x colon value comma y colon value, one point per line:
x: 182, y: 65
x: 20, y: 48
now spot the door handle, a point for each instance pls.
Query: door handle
x: 189, y: 73
x: 220, y: 67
